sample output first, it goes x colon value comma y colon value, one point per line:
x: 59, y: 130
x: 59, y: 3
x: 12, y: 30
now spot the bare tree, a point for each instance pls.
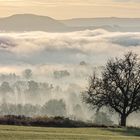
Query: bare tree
x: 118, y: 87
x: 27, y: 73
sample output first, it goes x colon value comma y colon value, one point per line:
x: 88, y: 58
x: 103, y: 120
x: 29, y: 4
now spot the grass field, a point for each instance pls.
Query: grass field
x: 39, y: 133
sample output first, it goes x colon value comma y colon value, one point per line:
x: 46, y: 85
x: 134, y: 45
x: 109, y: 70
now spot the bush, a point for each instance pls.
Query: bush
x: 44, y: 121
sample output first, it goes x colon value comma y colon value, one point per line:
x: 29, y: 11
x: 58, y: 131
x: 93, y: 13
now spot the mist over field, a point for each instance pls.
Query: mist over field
x: 60, y: 65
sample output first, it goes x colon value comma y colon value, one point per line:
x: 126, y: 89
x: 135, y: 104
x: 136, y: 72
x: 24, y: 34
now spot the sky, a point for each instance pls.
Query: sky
x: 65, y: 9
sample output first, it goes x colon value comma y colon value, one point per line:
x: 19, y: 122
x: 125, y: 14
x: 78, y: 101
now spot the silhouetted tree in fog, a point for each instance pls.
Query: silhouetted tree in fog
x: 61, y: 74
x: 54, y: 108
x: 5, y: 88
x: 118, y: 87
x: 33, y: 91
x: 27, y: 73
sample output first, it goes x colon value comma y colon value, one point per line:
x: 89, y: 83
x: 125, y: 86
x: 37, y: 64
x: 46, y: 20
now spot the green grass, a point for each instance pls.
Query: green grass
x: 39, y: 133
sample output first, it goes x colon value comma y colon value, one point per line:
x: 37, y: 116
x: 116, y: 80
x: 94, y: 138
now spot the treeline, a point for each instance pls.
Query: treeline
x: 45, y: 121
x: 50, y: 108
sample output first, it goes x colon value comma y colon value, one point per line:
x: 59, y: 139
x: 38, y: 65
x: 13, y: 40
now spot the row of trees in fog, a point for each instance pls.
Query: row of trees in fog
x: 29, y: 87
x: 52, y: 108
x: 27, y: 74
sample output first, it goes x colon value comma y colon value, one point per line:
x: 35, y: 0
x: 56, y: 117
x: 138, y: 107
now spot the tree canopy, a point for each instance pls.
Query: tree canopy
x: 118, y: 87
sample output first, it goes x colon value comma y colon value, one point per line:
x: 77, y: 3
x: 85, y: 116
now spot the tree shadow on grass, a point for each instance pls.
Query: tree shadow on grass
x: 126, y: 131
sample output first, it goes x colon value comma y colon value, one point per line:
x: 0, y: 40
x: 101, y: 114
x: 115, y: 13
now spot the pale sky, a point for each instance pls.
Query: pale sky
x: 65, y: 9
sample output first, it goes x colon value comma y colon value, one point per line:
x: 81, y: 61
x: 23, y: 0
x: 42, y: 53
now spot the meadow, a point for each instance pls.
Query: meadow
x: 43, y: 133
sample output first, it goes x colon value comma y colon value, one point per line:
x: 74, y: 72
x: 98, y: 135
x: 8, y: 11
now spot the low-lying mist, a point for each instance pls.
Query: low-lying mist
x: 60, y: 88
x: 44, y: 73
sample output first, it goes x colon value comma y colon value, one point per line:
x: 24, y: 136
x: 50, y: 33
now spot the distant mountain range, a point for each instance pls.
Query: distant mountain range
x: 30, y: 22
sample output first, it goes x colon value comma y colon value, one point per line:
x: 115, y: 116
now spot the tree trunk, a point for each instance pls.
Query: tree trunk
x: 123, y: 120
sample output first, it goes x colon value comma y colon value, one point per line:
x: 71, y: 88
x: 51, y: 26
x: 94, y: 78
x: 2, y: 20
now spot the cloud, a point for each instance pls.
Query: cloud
x: 93, y: 46
x: 51, y: 2
x: 55, y: 3
x: 126, y: 0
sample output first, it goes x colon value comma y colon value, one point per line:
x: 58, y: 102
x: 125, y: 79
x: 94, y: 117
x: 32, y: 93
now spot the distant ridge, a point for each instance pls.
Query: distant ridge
x: 31, y: 22
x: 101, y: 21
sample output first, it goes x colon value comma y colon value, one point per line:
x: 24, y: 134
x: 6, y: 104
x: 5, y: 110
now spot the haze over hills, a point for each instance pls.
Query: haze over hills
x: 30, y: 22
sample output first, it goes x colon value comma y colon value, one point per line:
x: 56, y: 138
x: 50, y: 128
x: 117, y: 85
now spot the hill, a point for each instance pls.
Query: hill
x: 108, y: 23
x: 30, y: 22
